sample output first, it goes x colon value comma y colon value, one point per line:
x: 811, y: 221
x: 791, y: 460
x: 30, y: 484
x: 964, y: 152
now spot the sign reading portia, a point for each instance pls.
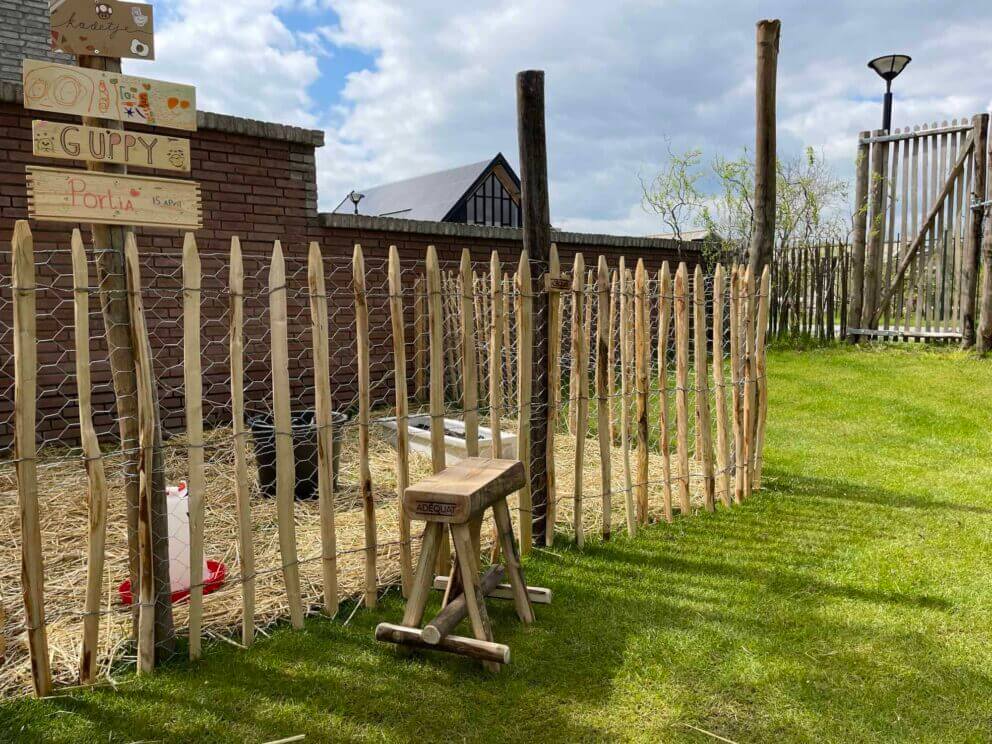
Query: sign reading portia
x: 103, y: 28
x: 108, y: 95
x: 58, y: 195
x: 76, y: 142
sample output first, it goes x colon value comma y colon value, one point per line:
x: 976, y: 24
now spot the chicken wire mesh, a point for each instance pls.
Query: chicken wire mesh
x: 62, y: 480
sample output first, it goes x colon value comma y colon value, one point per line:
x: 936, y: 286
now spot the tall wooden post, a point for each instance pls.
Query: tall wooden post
x: 763, y: 230
x: 108, y: 245
x: 537, y: 243
x: 873, y: 253
x: 971, y: 261
x: 860, y: 236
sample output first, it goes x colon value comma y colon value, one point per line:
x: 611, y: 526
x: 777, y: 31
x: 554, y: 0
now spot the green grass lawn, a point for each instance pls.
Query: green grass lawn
x: 848, y: 602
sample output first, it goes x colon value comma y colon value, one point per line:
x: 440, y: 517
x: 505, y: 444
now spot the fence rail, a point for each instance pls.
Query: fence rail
x: 295, y: 507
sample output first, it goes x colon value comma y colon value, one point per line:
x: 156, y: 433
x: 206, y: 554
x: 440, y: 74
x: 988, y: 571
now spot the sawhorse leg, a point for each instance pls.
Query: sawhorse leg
x: 474, y: 601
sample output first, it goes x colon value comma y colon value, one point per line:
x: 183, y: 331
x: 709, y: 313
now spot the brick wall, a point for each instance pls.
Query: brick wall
x: 259, y: 183
x: 25, y: 32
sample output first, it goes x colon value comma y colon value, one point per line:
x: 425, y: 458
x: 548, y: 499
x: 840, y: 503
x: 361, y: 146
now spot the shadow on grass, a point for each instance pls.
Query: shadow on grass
x: 724, y: 619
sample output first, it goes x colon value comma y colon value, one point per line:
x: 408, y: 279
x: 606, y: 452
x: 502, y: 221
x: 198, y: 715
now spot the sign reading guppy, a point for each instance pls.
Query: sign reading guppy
x: 95, y: 144
x: 103, y: 28
x: 108, y: 95
x: 58, y: 195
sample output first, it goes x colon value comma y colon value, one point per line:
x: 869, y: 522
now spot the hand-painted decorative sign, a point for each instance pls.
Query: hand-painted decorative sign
x: 103, y: 28
x: 76, y: 142
x: 58, y: 195
x: 108, y: 95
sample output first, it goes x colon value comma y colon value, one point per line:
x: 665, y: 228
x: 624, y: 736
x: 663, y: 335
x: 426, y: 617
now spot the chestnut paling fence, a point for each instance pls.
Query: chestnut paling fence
x: 298, y: 396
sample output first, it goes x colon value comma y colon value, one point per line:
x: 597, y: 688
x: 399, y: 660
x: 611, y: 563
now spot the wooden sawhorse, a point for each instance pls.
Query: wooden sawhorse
x: 458, y: 498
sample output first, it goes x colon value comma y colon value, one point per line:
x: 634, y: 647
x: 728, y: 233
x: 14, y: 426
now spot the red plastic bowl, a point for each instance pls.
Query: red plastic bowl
x: 214, y: 580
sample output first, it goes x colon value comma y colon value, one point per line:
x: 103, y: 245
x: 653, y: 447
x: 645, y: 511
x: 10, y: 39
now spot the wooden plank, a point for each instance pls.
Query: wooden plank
x: 761, y: 372
x: 148, y: 443
x: 107, y: 28
x: 602, y: 392
x: 99, y: 145
x: 324, y: 423
x: 242, y: 495
x: 554, y: 386
x: 525, y: 346
x: 364, y: 408
x: 750, y: 383
x: 682, y: 383
x: 23, y: 288
x: 642, y: 359
x: 626, y: 349
x: 193, y: 386
x: 65, y: 89
x: 664, y: 389
x: 282, y: 417
x: 61, y: 195
x: 97, y: 495
x: 720, y: 386
x: 579, y: 393
x: 736, y: 374
x: 701, y: 366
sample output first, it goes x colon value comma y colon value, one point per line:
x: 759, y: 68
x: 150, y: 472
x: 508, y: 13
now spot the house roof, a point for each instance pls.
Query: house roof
x: 431, y: 197
x: 688, y: 235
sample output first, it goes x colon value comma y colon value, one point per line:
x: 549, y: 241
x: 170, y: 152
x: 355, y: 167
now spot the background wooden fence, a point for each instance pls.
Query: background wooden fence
x: 660, y: 408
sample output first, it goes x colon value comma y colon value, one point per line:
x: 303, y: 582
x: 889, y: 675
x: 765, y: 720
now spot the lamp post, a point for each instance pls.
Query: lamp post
x: 355, y: 198
x: 888, y: 68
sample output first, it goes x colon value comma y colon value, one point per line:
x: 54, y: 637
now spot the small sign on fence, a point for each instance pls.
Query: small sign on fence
x: 58, y: 195
x: 103, y: 28
x: 108, y: 95
x: 95, y: 144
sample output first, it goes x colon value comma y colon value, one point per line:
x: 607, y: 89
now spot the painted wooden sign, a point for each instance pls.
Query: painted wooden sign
x: 103, y: 28
x: 58, y: 195
x: 76, y: 142
x: 107, y: 95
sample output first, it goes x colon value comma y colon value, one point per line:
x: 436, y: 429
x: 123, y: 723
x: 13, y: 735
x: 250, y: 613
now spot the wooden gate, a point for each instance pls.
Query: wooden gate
x: 917, y: 231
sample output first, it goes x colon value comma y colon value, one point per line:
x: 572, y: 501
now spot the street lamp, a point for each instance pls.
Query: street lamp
x: 888, y: 68
x: 355, y: 198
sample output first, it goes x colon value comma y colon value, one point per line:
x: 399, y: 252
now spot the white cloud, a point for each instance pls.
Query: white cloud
x: 620, y: 77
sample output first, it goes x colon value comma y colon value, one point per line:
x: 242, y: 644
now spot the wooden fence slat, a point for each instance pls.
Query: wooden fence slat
x: 438, y: 382
x: 602, y: 392
x: 470, y: 371
x: 525, y: 343
x: 97, y: 496
x: 736, y: 372
x: 720, y: 386
x: 750, y: 383
x: 246, y: 549
x: 420, y: 337
x: 23, y: 288
x: 196, y: 484
x: 626, y: 316
x: 496, y: 356
x: 283, y: 422
x: 554, y: 387
x: 611, y: 339
x: 578, y: 392
x: 147, y: 445
x: 664, y: 388
x: 701, y: 365
x: 642, y: 358
x: 682, y: 383
x: 324, y: 404
x: 760, y: 369
x: 364, y: 406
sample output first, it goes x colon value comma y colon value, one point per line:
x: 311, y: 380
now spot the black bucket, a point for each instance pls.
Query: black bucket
x: 304, y: 451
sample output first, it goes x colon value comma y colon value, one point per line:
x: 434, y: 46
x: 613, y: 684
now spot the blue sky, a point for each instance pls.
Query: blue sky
x: 403, y: 88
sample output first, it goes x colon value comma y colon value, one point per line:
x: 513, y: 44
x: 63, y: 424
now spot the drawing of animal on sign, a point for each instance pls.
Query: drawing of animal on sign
x: 103, y: 28
x: 57, y: 195
x: 107, y: 95
x: 94, y: 144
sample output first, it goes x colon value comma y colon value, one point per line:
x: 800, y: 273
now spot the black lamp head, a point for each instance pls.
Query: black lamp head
x: 889, y: 66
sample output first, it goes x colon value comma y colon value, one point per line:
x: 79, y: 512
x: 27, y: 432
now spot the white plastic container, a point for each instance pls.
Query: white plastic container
x: 178, y: 503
